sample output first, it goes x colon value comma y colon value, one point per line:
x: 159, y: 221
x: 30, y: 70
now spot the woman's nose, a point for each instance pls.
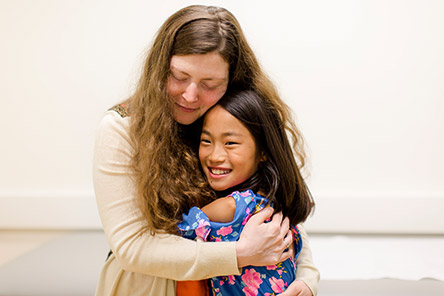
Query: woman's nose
x: 191, y: 93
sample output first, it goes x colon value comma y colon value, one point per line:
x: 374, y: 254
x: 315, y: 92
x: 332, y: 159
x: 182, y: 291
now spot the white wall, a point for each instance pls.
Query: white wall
x: 365, y: 79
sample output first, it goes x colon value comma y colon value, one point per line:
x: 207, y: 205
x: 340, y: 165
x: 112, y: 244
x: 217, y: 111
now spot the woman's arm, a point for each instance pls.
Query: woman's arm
x: 166, y: 255
x: 162, y: 255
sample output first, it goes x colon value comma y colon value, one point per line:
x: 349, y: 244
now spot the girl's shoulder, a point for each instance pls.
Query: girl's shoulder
x: 249, y: 198
x: 246, y: 194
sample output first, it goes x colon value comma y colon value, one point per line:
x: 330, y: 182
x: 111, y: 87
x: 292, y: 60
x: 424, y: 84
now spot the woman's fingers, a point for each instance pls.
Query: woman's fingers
x: 297, y: 288
x: 288, y: 247
x: 277, y: 218
x: 261, y: 216
x: 264, y: 243
x: 285, y: 234
x: 285, y: 226
x: 288, y: 240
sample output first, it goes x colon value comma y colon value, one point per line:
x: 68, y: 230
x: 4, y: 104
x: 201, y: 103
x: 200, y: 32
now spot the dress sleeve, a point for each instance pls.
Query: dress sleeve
x: 161, y: 255
x: 306, y: 270
x: 195, y: 224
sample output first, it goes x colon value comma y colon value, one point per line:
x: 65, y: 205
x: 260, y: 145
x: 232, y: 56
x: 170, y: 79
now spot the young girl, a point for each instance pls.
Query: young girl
x: 247, y: 159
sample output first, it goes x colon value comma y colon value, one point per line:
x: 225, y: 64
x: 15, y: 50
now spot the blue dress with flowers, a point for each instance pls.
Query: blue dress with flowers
x: 254, y: 280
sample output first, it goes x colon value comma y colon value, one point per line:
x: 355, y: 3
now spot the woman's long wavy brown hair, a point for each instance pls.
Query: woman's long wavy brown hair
x: 166, y: 167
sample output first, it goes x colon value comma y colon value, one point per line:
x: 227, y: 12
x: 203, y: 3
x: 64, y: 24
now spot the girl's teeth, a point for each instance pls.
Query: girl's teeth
x: 219, y: 172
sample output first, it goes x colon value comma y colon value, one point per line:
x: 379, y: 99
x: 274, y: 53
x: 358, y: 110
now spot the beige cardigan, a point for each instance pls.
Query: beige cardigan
x: 142, y: 264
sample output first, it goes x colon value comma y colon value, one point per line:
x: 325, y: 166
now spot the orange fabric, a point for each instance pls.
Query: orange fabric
x: 194, y: 288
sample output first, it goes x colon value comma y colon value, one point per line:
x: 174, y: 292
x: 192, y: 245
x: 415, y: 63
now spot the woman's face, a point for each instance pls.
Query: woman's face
x: 195, y: 83
x: 227, y: 150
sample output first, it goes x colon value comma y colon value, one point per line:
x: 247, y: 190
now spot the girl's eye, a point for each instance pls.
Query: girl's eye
x: 231, y: 143
x: 205, y: 141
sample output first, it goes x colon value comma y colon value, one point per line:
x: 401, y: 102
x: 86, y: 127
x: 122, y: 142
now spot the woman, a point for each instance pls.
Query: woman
x: 146, y: 172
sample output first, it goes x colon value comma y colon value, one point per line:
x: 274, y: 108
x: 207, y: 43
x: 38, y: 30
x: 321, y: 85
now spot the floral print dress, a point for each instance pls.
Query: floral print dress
x: 254, y: 280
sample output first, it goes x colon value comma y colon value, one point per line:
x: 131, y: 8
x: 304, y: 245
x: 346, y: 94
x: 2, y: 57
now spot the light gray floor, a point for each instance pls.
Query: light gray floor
x: 70, y: 265
x: 382, y: 287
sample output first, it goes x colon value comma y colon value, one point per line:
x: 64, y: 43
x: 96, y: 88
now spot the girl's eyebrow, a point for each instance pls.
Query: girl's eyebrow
x: 226, y: 134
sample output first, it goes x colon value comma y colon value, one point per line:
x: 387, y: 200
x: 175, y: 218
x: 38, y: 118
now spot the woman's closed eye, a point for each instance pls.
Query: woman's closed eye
x: 210, y: 86
x: 180, y: 78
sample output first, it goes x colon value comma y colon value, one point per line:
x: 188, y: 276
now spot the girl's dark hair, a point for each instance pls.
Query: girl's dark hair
x: 278, y: 176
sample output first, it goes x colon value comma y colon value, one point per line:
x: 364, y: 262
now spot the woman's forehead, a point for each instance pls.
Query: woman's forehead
x: 205, y: 66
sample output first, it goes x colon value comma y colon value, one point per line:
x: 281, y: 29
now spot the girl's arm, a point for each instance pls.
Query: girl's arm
x: 220, y: 210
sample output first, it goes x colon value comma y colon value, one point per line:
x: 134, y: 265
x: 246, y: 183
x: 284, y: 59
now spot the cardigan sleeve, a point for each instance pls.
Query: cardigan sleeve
x: 161, y: 255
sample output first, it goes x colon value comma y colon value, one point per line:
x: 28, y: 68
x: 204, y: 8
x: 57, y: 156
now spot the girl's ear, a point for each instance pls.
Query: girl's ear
x: 263, y: 157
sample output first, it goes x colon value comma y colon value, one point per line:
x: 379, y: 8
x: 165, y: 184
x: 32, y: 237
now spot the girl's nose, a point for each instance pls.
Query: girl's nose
x: 217, y: 155
x: 191, y: 92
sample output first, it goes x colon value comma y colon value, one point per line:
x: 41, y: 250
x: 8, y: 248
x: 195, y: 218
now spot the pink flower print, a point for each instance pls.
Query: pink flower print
x: 221, y: 283
x: 271, y: 267
x: 280, y: 271
x: 231, y: 279
x: 203, y: 229
x: 217, y: 239
x: 277, y: 285
x: 247, y: 216
x: 225, y: 230
x: 248, y: 291
x: 245, y: 193
x: 252, y: 278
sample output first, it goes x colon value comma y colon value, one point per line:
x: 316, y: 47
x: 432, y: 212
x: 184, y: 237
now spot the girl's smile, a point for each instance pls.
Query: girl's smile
x: 218, y: 172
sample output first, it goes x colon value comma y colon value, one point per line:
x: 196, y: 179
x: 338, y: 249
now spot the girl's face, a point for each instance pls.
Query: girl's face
x: 227, y: 151
x: 195, y: 83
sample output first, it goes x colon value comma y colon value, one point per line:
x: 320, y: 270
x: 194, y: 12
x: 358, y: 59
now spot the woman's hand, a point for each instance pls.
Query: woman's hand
x: 297, y: 288
x: 262, y: 244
